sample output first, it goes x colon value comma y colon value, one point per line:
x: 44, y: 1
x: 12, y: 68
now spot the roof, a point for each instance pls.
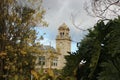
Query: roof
x: 63, y: 27
x: 47, y: 47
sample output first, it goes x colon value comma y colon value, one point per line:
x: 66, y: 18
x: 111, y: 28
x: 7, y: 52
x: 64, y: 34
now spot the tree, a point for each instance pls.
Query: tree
x: 68, y: 70
x: 101, y: 54
x: 110, y: 66
x: 104, y: 9
x: 100, y: 48
x: 17, y: 37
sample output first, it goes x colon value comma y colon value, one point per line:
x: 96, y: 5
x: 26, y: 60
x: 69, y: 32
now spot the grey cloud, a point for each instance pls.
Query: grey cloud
x: 59, y: 11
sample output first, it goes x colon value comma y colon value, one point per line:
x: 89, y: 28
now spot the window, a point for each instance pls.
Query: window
x: 55, y: 61
x: 61, y: 34
x: 42, y: 60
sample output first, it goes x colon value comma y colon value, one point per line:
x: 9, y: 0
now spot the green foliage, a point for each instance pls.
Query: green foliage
x: 101, y: 49
x: 110, y: 71
x: 110, y: 67
x: 70, y: 65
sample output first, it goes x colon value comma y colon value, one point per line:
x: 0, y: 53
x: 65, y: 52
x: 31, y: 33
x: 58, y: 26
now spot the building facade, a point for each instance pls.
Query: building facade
x: 55, y: 58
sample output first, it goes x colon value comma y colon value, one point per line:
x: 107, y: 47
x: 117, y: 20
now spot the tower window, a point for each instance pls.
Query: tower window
x: 42, y: 60
x: 61, y: 34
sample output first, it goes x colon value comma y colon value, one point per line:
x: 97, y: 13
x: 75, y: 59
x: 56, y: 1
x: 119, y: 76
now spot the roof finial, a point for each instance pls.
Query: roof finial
x: 63, y: 27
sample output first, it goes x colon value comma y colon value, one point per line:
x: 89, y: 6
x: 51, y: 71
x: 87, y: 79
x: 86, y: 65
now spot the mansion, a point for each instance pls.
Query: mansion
x: 55, y: 58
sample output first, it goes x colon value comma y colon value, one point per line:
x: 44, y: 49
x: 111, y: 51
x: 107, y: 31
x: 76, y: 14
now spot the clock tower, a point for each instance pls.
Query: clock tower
x: 63, y: 43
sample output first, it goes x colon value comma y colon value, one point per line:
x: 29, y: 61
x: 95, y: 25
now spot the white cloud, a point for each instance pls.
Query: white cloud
x: 59, y: 11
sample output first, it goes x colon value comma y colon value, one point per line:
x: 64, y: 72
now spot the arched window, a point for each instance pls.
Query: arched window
x: 63, y: 33
x: 60, y: 34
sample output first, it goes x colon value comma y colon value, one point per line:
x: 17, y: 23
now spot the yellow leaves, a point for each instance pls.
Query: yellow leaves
x: 50, y: 72
x: 13, y: 68
x: 33, y: 60
x: 10, y: 48
x: 10, y: 1
x: 5, y: 67
x: 16, y: 77
x: 2, y: 54
x: 23, y: 52
x: 26, y: 62
x: 38, y: 18
x: 38, y: 15
x: 35, y: 74
x: 21, y: 70
x: 35, y: 50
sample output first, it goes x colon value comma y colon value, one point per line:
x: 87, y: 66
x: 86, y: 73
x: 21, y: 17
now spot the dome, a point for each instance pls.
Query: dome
x: 63, y: 27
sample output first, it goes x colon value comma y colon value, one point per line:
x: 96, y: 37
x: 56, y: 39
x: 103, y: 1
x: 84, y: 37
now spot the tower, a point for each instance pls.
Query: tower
x: 63, y: 43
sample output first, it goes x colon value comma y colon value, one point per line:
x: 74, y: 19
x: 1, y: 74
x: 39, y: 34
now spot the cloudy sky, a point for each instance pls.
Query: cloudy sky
x: 58, y: 12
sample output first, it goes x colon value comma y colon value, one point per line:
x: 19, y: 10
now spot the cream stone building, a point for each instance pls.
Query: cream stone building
x: 55, y: 58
